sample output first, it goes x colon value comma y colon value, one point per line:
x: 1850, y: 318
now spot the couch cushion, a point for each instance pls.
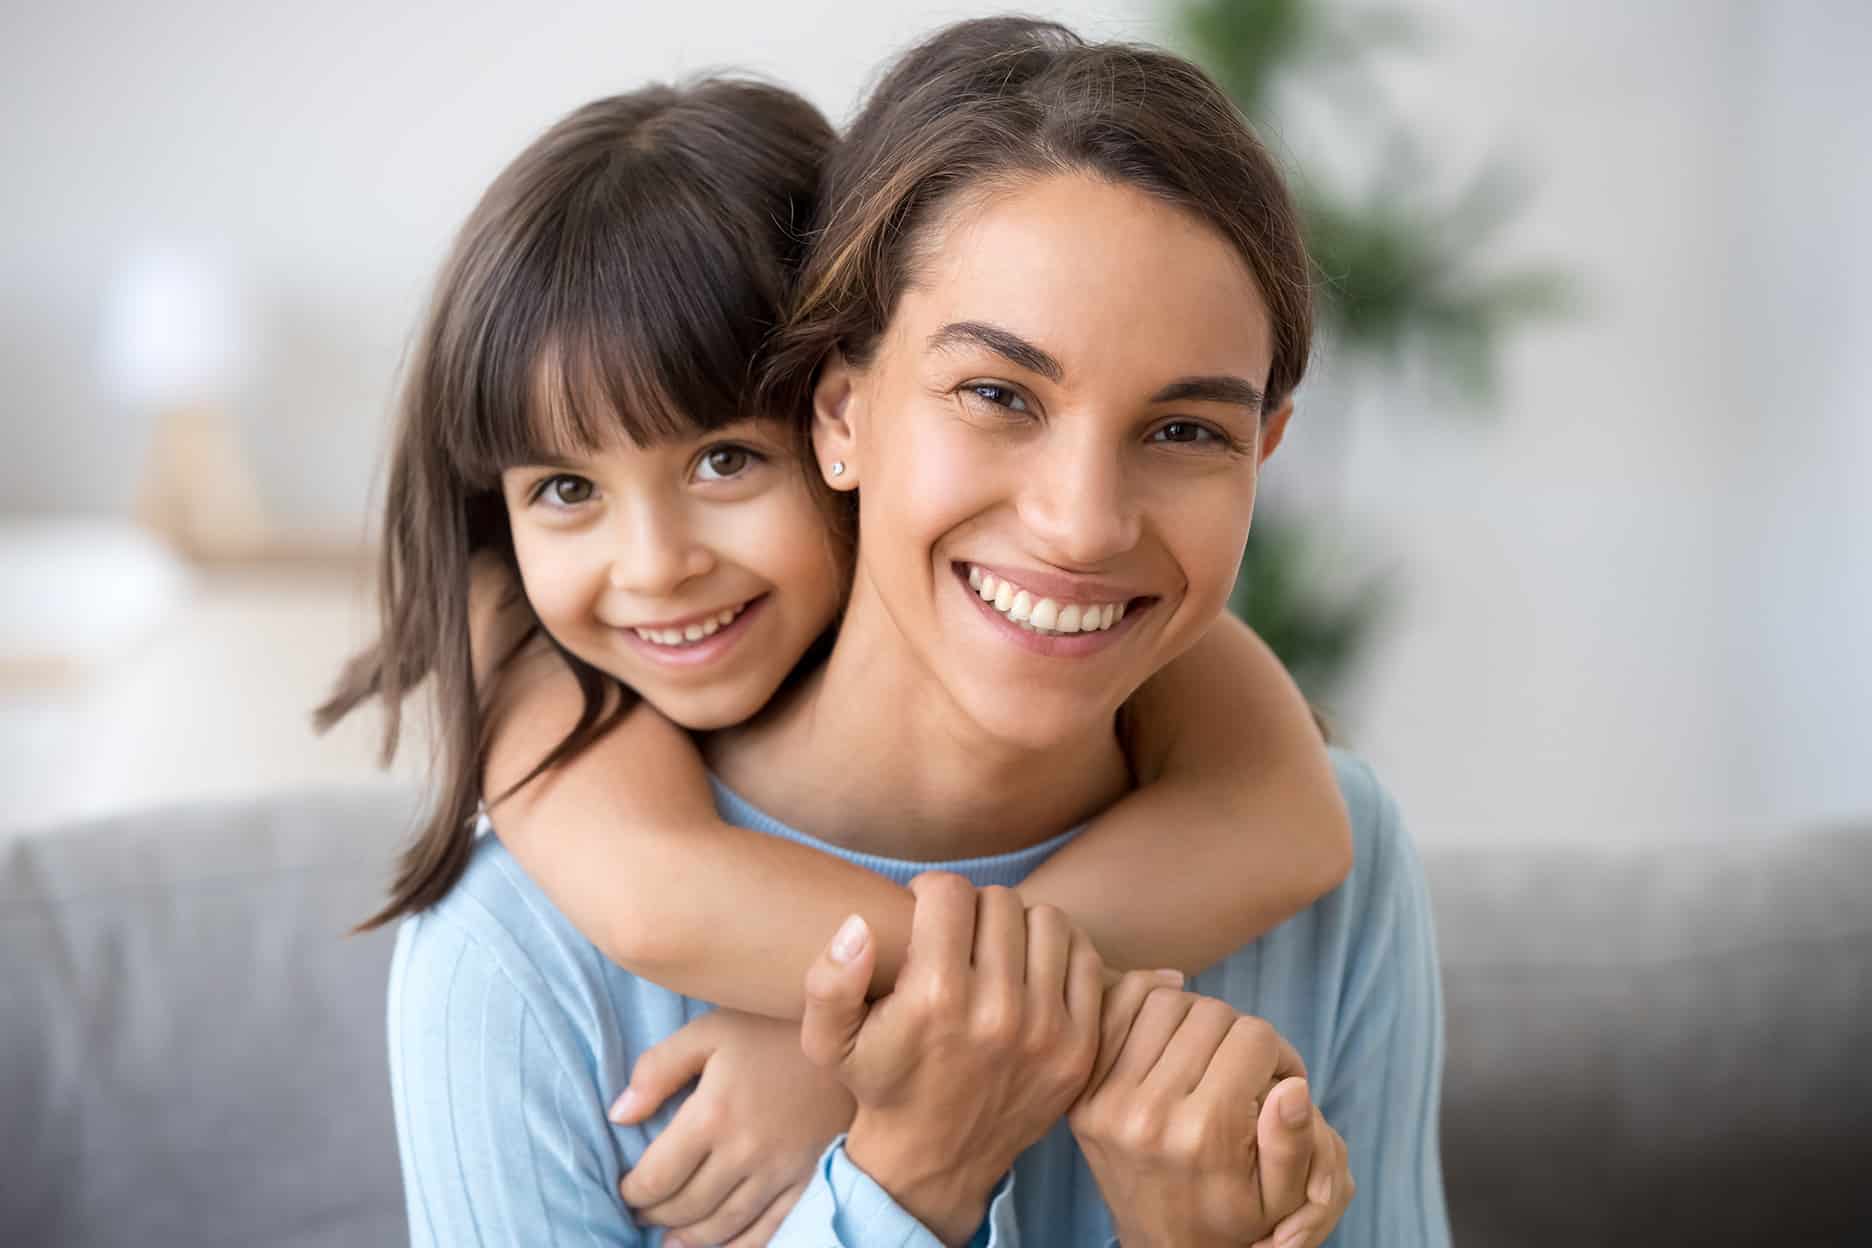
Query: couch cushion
x: 191, y: 1047
x: 1660, y: 1045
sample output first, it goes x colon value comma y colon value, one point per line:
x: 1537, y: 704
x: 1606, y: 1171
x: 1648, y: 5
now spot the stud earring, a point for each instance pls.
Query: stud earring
x: 838, y: 467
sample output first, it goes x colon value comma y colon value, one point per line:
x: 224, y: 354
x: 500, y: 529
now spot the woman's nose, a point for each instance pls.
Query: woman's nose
x: 1077, y: 505
x: 656, y: 552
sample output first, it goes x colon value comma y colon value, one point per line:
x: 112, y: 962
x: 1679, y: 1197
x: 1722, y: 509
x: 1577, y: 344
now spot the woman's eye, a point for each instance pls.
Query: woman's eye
x: 565, y: 490
x: 720, y: 463
x: 996, y: 395
x: 1185, y: 433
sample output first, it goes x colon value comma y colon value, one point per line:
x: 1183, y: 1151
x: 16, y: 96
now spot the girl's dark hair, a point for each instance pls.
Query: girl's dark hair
x: 620, y: 276
x: 983, y: 105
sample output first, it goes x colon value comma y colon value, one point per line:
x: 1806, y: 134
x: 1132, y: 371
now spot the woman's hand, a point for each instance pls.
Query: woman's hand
x: 1197, y: 1125
x: 985, y: 1042
x: 742, y: 1148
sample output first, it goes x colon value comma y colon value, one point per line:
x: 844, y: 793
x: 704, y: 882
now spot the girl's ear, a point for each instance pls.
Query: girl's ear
x: 835, y: 442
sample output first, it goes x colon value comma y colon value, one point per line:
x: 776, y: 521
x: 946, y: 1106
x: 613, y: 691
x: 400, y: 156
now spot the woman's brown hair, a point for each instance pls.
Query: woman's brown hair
x: 984, y: 105
x: 619, y: 278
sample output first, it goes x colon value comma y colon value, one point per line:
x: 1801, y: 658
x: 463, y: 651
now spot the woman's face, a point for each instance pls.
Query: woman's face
x: 696, y: 571
x: 1055, y: 445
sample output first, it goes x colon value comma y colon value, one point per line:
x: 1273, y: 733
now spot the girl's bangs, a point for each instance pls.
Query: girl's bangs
x: 637, y: 316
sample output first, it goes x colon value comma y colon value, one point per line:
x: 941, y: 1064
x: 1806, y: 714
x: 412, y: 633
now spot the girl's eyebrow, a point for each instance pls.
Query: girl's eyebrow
x: 536, y: 458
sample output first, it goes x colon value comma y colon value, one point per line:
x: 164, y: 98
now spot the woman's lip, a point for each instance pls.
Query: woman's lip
x: 696, y: 653
x: 1062, y: 589
x: 1052, y: 645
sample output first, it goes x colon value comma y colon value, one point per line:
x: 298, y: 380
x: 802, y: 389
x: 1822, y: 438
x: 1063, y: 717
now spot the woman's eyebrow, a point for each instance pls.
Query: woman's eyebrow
x: 1005, y: 343
x: 1219, y: 388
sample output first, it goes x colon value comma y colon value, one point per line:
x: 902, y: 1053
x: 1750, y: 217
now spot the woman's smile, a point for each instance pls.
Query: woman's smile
x: 1048, y: 614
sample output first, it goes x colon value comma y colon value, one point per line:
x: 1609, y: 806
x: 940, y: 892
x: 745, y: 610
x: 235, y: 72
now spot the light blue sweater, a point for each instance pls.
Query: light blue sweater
x: 510, y: 1033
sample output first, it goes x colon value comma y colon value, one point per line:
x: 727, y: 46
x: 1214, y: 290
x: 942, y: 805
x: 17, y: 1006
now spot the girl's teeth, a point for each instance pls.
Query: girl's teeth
x: 1045, y: 614
x: 1068, y: 618
x: 1021, y: 609
x: 1004, y: 597
x: 693, y: 632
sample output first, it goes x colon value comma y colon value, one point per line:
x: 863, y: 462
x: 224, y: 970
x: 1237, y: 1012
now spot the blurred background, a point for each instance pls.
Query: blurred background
x: 1569, y: 539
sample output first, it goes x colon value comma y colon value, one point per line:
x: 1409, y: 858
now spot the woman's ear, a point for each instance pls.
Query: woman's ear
x: 1273, y: 429
x: 835, y: 442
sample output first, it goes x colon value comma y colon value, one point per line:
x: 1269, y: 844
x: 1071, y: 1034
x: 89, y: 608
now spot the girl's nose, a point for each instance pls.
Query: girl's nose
x: 656, y: 553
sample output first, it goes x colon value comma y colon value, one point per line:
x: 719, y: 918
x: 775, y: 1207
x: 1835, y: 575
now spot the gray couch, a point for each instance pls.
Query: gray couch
x: 1656, y: 1047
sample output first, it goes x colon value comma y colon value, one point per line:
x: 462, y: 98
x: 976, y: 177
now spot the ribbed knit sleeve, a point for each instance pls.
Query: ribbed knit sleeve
x: 1384, y: 1067
x: 500, y: 1140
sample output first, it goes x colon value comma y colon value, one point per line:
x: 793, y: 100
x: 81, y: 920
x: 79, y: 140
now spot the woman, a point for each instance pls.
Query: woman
x: 1050, y: 330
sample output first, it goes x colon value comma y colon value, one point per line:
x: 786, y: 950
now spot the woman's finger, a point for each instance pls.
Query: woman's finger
x: 1049, y: 955
x: 1252, y: 1059
x: 836, y: 984
x: 1085, y: 982
x: 1186, y: 1056
x: 1157, y: 1020
x: 942, y: 929
x: 1000, y: 956
x: 1285, y: 1140
x: 1118, y: 1011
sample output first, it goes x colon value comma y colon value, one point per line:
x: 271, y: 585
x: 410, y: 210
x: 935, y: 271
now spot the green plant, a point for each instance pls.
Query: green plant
x: 1404, y: 287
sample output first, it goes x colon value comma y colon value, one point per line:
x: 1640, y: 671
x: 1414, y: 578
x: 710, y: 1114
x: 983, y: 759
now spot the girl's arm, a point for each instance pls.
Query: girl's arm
x: 1239, y: 814
x: 1236, y: 822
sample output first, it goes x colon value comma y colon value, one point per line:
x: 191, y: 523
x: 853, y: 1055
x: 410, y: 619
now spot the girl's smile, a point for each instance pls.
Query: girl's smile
x: 695, y: 570
x: 697, y: 640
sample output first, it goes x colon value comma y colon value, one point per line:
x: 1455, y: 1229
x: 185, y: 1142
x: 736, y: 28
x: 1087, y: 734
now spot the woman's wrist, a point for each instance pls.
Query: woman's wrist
x: 949, y: 1196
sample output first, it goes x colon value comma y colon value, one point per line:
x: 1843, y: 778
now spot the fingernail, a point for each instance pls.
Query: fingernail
x: 1296, y: 1110
x: 850, y: 941
x: 1171, y: 976
x: 1320, y: 1190
x: 626, y: 1106
x: 1296, y: 1235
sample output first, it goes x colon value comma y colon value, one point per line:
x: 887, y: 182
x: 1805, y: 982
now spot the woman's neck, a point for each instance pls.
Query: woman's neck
x: 870, y: 753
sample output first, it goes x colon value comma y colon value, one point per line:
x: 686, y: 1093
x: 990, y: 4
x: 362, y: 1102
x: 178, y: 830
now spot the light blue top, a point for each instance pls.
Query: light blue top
x: 510, y: 1033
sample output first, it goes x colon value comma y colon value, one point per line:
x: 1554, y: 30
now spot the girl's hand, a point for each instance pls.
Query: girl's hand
x: 1198, y: 1127
x: 982, y: 1046
x: 742, y: 1148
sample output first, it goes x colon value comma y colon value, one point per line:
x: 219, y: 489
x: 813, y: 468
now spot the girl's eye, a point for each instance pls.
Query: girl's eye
x: 563, y: 489
x: 993, y: 393
x: 724, y: 462
x: 1186, y: 433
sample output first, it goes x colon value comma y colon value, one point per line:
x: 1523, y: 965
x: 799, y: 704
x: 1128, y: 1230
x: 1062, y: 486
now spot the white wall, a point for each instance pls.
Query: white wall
x: 1798, y: 501
x: 1634, y: 597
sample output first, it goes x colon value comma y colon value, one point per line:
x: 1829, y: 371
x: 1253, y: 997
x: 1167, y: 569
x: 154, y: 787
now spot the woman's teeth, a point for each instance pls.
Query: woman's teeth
x: 693, y: 633
x: 1043, y: 615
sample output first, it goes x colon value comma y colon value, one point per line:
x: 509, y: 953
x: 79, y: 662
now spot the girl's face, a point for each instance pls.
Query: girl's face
x: 697, y: 571
x: 1055, y: 444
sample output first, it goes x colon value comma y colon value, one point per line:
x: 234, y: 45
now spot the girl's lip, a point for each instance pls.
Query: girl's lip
x: 1060, y: 645
x: 696, y: 653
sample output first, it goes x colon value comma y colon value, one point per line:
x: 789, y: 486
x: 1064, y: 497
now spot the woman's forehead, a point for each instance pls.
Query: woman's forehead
x: 1094, y: 273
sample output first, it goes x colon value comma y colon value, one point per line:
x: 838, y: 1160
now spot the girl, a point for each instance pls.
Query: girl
x: 572, y: 309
